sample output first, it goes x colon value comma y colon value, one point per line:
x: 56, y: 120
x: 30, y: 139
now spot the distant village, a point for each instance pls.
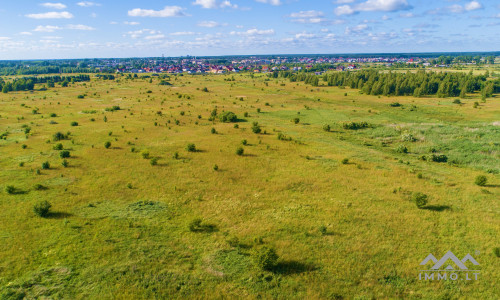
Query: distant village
x: 193, y: 65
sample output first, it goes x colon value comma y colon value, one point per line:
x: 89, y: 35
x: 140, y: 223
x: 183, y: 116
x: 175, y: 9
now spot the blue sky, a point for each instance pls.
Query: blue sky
x: 80, y: 29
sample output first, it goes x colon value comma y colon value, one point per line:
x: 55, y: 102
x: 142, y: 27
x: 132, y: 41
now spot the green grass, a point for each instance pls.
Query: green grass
x: 119, y: 227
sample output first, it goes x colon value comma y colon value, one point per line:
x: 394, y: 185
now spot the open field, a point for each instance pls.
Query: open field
x: 119, y: 226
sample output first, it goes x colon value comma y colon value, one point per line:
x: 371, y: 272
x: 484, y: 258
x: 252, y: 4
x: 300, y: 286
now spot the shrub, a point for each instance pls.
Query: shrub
x: 45, y: 165
x: 245, y: 114
x: 395, y: 104
x: 205, y: 90
x: 408, y: 137
x: 107, y: 144
x: 354, y: 125
x: 58, y: 146
x: 113, y: 108
x: 345, y: 161
x: 24, y: 146
x: 402, y: 149
x: 10, y: 189
x: 213, y: 131
x: 53, y: 115
x: 191, y: 147
x: 216, y: 167
x: 420, y: 199
x: 326, y: 128
x: 476, y: 104
x: 496, y: 251
x: 74, y: 123
x: 233, y: 242
x: 244, y: 142
x: 322, y: 229
x: 176, y: 155
x: 481, y: 180
x: 240, y: 151
x: 457, y: 101
x: 439, y: 158
x: 228, y: 117
x: 64, y: 154
x: 65, y: 163
x: 266, y: 258
x: 256, y: 128
x: 59, y: 136
x: 154, y: 161
x: 80, y: 96
x: 39, y: 187
x: 145, y: 154
x: 42, y: 208
x: 296, y: 120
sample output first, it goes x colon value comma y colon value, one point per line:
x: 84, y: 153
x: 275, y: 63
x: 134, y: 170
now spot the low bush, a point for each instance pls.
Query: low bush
x: 256, y: 128
x: 58, y: 146
x: 74, y: 123
x: 354, y: 125
x: 420, y: 199
x: 42, y: 208
x: 191, y: 147
x: 107, y: 145
x: 481, y: 180
x: 326, y: 128
x: 45, y: 165
x: 439, y: 158
x: 228, y: 117
x: 64, y: 154
x: 265, y: 258
x: 240, y: 151
x: 10, y: 189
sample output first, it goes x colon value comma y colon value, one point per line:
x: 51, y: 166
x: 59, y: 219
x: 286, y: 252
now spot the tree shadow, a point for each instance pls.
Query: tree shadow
x: 291, y: 267
x: 58, y: 215
x: 492, y: 185
x: 437, y: 207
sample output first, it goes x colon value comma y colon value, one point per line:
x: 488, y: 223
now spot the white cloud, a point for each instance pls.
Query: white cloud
x: 79, y: 27
x: 51, y: 15
x: 215, y: 4
x: 456, y: 9
x: 53, y: 5
x: 25, y: 33
x: 168, y: 11
x: 308, y: 17
x: 304, y: 35
x: 87, y: 4
x: 473, y: 5
x: 208, y: 24
x: 131, y: 23
x: 4, y: 38
x: 183, y: 33
x: 356, y: 29
x: 272, y: 2
x: 385, y: 18
x: 155, y: 37
x: 383, y: 5
x: 344, y: 10
x: 253, y: 32
x: 407, y: 15
x: 47, y: 28
x: 344, y: 1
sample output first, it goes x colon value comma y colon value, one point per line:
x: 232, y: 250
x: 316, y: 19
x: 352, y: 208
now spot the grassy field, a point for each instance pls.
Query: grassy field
x: 334, y: 204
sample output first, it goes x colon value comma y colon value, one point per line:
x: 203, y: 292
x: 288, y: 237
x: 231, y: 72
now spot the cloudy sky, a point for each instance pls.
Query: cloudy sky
x: 125, y: 28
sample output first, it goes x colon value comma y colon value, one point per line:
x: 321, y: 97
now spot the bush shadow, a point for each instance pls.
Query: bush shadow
x: 291, y: 267
x: 437, y: 207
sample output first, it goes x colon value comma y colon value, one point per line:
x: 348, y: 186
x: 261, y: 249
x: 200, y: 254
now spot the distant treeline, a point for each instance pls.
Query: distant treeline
x: 106, y: 76
x: 38, y: 70
x: 28, y: 83
x: 372, y: 82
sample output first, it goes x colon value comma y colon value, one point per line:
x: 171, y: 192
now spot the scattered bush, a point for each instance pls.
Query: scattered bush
x: 244, y: 142
x: 58, y: 136
x: 39, y: 187
x: 457, y: 101
x: 326, y: 128
x: 256, y: 128
x: 10, y: 189
x: 145, y: 154
x: 439, y: 158
x: 45, y: 165
x: 176, y: 155
x: 74, y: 123
x: 322, y: 229
x: 197, y: 225
x: 402, y: 149
x: 216, y: 167
x: 408, y: 137
x: 345, y: 161
x: 420, y: 199
x: 42, y: 208
x: 481, y: 180
x: 107, y: 144
x: 265, y: 258
x: 240, y: 151
x: 228, y: 117
x: 296, y: 120
x: 154, y: 161
x: 191, y: 147
x: 113, y: 108
x: 64, y: 154
x: 354, y: 125
x: 395, y: 104
x: 58, y: 146
x: 65, y: 163
x: 24, y: 146
x: 496, y: 251
x: 213, y: 131
x: 205, y: 90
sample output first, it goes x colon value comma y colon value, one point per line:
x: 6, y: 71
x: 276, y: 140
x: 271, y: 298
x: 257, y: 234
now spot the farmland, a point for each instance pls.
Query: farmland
x: 327, y: 181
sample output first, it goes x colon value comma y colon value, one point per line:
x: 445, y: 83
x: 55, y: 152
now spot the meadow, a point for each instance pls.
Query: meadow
x: 161, y: 199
